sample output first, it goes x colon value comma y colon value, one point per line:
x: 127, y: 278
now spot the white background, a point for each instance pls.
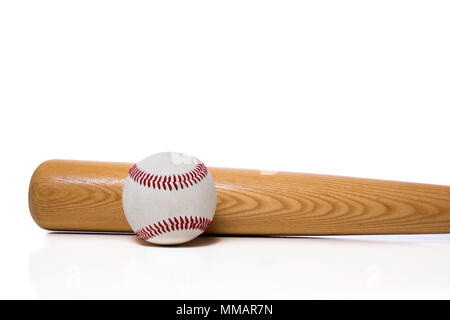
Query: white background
x: 355, y: 88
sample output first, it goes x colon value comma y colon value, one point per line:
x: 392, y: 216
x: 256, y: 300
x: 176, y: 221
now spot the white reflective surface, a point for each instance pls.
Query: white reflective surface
x: 120, y: 266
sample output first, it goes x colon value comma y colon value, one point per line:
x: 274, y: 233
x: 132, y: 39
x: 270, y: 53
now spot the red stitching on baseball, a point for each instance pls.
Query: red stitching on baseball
x: 182, y: 180
x: 169, y: 225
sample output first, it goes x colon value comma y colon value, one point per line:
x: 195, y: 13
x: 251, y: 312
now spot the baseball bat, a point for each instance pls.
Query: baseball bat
x: 86, y: 196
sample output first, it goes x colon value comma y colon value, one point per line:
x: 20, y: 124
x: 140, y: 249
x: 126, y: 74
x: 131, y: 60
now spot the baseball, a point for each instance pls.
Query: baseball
x: 169, y: 198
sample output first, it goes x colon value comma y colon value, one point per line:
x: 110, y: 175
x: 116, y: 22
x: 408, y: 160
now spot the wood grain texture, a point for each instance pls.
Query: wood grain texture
x: 86, y: 196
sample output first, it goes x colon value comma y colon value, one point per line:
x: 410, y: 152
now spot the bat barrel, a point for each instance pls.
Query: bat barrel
x: 86, y: 196
x: 78, y: 195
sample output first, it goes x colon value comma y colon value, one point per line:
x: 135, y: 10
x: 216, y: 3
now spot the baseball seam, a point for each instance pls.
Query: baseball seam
x: 173, y: 224
x: 168, y: 182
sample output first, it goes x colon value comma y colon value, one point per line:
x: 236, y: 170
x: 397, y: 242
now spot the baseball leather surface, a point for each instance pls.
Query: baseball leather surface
x: 169, y: 198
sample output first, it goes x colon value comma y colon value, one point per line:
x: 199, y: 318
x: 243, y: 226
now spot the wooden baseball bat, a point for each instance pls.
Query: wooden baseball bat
x: 86, y: 196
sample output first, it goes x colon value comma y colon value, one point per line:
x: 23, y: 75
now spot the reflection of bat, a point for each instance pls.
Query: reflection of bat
x: 86, y: 196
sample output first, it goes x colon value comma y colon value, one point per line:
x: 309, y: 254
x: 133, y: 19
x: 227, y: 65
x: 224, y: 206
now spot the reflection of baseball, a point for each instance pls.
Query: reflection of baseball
x: 169, y: 198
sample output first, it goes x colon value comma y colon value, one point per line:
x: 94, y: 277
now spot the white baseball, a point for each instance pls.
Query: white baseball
x: 169, y: 198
